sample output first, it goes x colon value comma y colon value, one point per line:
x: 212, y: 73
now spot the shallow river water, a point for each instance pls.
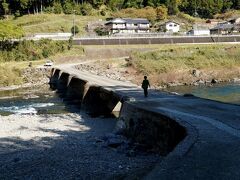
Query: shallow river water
x: 42, y: 100
x: 35, y: 100
x: 229, y: 93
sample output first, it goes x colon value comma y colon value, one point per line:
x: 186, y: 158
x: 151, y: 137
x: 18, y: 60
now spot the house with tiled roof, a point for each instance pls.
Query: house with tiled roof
x: 228, y: 27
x: 128, y: 25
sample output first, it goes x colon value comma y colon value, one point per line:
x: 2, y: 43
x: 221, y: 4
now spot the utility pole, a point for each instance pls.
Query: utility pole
x: 195, y: 8
x: 41, y: 7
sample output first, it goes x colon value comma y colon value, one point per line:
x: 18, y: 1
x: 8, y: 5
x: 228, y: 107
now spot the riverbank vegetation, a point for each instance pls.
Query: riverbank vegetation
x: 14, y: 57
x: 164, y: 64
x: 177, y: 64
x: 31, y: 50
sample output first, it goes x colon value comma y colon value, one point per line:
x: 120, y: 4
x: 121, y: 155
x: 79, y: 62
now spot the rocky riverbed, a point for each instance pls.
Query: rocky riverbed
x: 67, y: 146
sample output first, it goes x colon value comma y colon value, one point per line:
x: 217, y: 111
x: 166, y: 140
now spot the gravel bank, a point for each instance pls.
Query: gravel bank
x: 64, y: 147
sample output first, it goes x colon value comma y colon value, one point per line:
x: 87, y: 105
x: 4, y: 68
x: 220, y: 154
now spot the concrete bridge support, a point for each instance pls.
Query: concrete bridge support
x: 62, y: 84
x: 75, y: 90
x: 98, y: 101
x: 151, y: 129
x: 93, y: 99
x: 55, y: 73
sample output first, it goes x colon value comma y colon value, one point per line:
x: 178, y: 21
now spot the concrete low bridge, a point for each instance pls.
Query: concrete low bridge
x: 199, y: 137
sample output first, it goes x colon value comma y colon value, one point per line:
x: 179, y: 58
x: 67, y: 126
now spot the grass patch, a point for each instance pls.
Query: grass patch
x: 51, y: 23
x: 169, y: 58
x: 10, y: 75
x: 175, y: 63
x: 11, y: 72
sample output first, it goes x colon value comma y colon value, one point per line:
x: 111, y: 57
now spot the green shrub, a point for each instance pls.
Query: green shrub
x: 77, y: 9
x: 86, y: 9
x: 17, y: 14
x: 68, y: 7
x: 101, y: 31
x: 48, y: 10
x: 57, y: 8
x: 75, y: 30
x: 32, y: 50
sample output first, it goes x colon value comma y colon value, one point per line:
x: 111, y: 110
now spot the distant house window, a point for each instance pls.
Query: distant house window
x: 175, y: 25
x: 170, y: 25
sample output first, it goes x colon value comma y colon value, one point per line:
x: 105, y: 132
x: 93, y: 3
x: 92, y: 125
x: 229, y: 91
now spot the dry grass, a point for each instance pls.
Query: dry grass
x: 176, y: 63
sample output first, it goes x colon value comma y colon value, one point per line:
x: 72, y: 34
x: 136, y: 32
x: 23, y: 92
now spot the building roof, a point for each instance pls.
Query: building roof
x: 128, y: 21
x: 116, y: 21
x: 171, y: 22
x: 136, y: 21
x: 223, y: 27
x: 199, y: 28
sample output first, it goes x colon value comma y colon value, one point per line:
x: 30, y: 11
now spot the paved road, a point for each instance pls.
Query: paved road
x: 211, y: 148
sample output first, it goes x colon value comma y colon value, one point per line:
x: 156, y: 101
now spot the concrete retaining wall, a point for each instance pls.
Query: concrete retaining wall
x: 156, y: 40
x: 153, y: 130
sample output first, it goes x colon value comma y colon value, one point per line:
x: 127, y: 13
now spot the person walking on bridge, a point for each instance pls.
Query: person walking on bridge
x: 145, y: 85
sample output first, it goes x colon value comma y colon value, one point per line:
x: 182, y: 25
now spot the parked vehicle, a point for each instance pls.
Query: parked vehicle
x: 48, y: 63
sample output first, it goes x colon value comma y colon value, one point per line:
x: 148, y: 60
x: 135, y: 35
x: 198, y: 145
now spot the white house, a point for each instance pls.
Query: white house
x: 170, y: 26
x: 127, y: 25
x: 199, y: 31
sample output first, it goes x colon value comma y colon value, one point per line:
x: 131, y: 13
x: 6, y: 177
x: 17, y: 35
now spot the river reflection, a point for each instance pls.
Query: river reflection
x: 229, y: 93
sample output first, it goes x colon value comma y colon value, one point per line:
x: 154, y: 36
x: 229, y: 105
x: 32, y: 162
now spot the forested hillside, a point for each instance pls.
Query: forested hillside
x: 201, y: 8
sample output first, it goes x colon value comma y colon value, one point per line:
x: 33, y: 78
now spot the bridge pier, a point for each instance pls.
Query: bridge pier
x: 62, y: 83
x: 75, y: 91
x: 54, y: 78
x: 98, y: 101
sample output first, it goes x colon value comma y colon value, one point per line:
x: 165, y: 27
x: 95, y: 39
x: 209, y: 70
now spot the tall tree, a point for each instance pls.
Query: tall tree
x: 172, y: 7
x: 5, y: 7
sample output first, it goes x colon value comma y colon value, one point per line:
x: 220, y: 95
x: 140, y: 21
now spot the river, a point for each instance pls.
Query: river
x: 35, y: 100
x: 225, y: 92
x: 42, y: 100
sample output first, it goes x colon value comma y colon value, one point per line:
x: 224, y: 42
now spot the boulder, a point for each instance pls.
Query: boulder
x: 196, y: 73
x: 214, y: 81
x: 236, y: 80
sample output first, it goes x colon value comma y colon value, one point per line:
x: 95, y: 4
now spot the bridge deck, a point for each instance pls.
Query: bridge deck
x: 211, y: 148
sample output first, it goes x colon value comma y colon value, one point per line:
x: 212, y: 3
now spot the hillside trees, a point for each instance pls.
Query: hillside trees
x: 236, y: 4
x: 115, y: 4
x: 5, y: 7
x: 203, y: 8
x: 161, y: 12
